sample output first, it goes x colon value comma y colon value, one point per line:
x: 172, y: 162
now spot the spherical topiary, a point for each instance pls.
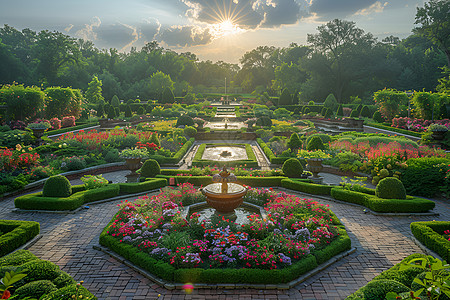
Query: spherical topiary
x: 365, y: 112
x: 306, y: 110
x: 377, y: 117
x: 57, y: 186
x: 190, y: 131
x: 375, y: 180
x: 315, y: 143
x: 150, y: 168
x: 390, y: 188
x: 323, y: 136
x: 294, y: 142
x: 292, y: 168
x: 383, y: 173
x: 185, y: 120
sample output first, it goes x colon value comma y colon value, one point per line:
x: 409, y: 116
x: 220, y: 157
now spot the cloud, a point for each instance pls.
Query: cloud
x: 88, y: 32
x: 120, y: 36
x: 247, y: 14
x: 184, y: 36
x: 149, y: 29
x: 68, y: 28
x: 332, y: 9
x: 377, y: 7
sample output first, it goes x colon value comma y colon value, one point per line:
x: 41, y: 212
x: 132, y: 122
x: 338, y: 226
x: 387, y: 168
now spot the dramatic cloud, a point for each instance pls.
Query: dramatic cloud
x: 377, y: 7
x: 332, y: 9
x: 88, y: 31
x: 120, y: 36
x: 184, y: 36
x: 247, y: 14
x: 149, y: 29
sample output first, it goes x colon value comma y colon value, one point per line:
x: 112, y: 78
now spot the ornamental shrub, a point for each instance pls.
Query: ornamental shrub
x: 185, y: 120
x: 115, y: 101
x: 57, y: 186
x: 306, y: 110
x: 323, y: 136
x: 292, y: 168
x: 62, y: 102
x: 100, y: 110
x: 155, y: 139
x: 264, y: 121
x: 68, y: 121
x: 167, y: 96
x: 389, y: 102
x: 189, y: 131
x: 354, y: 114
x: 56, y: 123
x: 365, y: 112
x: 35, y: 289
x: 294, y: 142
x: 315, y: 143
x: 141, y: 110
x: 425, y: 103
x: 150, y: 168
x: 22, y: 102
x: 285, y: 98
x: 128, y: 112
x: 340, y: 111
x: 390, y: 188
x: 331, y: 102
x: 377, y: 117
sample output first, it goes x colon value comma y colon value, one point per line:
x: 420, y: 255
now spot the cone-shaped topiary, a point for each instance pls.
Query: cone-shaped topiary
x: 390, y: 188
x: 315, y: 143
x: 377, y: 117
x: 155, y: 139
x: 167, y: 96
x: 354, y: 113
x: 115, y: 101
x: 111, y: 112
x: 150, y: 168
x: 340, y: 111
x: 285, y: 98
x: 330, y: 102
x: 57, y: 186
x: 128, y: 113
x: 328, y: 113
x: 365, y: 112
x: 141, y: 111
x: 185, y: 120
x: 294, y: 142
x: 292, y: 168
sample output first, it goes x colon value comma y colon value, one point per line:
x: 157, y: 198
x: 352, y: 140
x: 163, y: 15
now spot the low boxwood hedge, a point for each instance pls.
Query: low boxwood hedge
x: 81, y: 196
x: 233, y: 276
x: 310, y: 188
x: 16, y: 233
x: 408, y: 205
x: 162, y: 160
x: 38, y: 271
x: 431, y: 235
x: 394, y: 129
x: 251, y: 162
x: 271, y: 181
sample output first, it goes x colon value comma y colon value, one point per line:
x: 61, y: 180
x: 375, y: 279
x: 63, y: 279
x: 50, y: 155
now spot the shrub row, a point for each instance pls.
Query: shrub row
x: 310, y: 188
x: 408, y: 205
x: 44, y: 279
x: 431, y: 235
x: 251, y: 162
x: 271, y: 181
x: 16, y: 233
x: 81, y: 196
x: 70, y: 129
x: 399, y: 130
x: 233, y: 276
x: 162, y: 160
x: 268, y: 152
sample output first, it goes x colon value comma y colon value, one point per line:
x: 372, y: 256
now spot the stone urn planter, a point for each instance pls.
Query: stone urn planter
x: 133, y: 158
x: 315, y: 166
x: 439, y: 135
x: 39, y: 132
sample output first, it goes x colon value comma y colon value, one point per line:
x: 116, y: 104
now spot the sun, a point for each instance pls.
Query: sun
x: 225, y: 28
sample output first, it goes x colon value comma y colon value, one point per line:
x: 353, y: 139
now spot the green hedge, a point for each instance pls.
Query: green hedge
x: 251, y: 162
x: 310, y: 188
x: 38, y: 270
x: 16, y: 233
x: 139, y: 187
x: 431, y: 235
x: 268, y: 152
x: 37, y: 202
x: 214, y: 276
x: 271, y: 181
x: 162, y: 160
x: 195, y: 180
x: 70, y: 129
x: 408, y: 205
x: 399, y: 130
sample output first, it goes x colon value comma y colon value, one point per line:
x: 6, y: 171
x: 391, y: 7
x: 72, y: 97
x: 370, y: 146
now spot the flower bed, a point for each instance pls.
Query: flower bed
x: 251, y: 162
x: 433, y: 236
x: 15, y: 234
x: 297, y: 235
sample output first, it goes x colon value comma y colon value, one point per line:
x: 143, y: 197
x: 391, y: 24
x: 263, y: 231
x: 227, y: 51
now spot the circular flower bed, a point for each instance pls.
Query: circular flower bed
x: 294, y: 231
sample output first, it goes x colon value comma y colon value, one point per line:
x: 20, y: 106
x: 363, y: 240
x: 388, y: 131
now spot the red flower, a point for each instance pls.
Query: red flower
x: 6, y: 294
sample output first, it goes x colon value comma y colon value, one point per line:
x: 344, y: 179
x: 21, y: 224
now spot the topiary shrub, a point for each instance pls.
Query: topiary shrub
x: 285, y: 98
x: 390, y: 188
x: 377, y: 289
x: 294, y: 142
x: 323, y: 136
x: 35, y: 289
x: 115, y: 101
x: 315, y: 143
x: 377, y: 117
x: 354, y: 114
x: 306, y: 110
x: 330, y: 102
x: 150, y: 168
x: 292, y: 168
x: 100, y: 110
x: 111, y: 112
x: 128, y: 112
x: 189, y: 131
x: 185, y: 120
x: 264, y: 121
x: 155, y: 139
x: 340, y: 111
x: 141, y: 110
x: 365, y: 112
x: 57, y: 186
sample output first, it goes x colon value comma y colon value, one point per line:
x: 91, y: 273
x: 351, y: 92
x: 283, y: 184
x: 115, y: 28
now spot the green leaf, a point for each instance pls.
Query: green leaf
x: 418, y: 281
x: 391, y: 296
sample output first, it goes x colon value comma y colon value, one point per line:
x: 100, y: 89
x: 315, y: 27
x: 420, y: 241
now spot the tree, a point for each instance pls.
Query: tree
x: 285, y: 98
x: 94, y: 91
x: 435, y: 24
x: 159, y: 82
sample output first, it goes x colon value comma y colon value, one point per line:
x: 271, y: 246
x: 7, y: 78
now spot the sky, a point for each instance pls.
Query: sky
x: 212, y: 29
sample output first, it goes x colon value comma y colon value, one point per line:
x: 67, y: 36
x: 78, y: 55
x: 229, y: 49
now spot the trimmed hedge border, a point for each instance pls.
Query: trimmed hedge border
x: 251, y: 162
x: 268, y: 152
x: 177, y: 157
x: 70, y: 129
x: 310, y: 188
x: 430, y: 234
x: 409, y: 205
x: 226, y: 276
x: 81, y: 196
x: 398, y: 130
x: 19, y: 232
x: 271, y: 181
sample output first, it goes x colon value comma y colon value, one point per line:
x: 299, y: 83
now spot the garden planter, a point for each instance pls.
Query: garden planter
x: 439, y: 135
x: 315, y: 166
x: 133, y: 164
x: 38, y: 133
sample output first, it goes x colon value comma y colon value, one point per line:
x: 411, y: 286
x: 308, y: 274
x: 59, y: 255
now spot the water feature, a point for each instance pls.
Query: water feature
x: 224, y: 153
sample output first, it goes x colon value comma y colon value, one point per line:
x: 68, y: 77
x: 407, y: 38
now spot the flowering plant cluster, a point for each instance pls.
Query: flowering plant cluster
x: 447, y: 234
x: 292, y: 229
x: 238, y: 171
x: 419, y: 125
x: 68, y: 121
x: 94, y: 181
x: 19, y: 158
x: 150, y: 147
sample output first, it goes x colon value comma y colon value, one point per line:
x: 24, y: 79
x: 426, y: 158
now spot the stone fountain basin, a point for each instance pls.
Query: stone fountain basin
x: 213, y: 153
x: 224, y: 203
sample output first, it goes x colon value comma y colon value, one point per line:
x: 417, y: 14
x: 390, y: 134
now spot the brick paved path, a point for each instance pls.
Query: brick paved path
x: 68, y: 239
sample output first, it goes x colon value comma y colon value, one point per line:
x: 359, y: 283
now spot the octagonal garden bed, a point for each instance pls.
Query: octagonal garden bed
x: 296, y: 237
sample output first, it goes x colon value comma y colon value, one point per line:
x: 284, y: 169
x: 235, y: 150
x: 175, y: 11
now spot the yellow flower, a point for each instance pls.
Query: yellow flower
x: 18, y: 147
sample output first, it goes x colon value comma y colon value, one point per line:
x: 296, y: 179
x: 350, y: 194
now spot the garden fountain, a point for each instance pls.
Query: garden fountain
x: 224, y: 195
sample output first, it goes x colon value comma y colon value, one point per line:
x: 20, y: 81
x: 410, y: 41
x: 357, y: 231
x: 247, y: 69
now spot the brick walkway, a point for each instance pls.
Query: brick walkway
x: 68, y: 239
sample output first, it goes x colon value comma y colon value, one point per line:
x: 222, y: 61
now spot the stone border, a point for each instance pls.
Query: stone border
x: 424, y: 248
x: 179, y: 286
x: 365, y: 209
x: 84, y: 206
x: 27, y: 244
